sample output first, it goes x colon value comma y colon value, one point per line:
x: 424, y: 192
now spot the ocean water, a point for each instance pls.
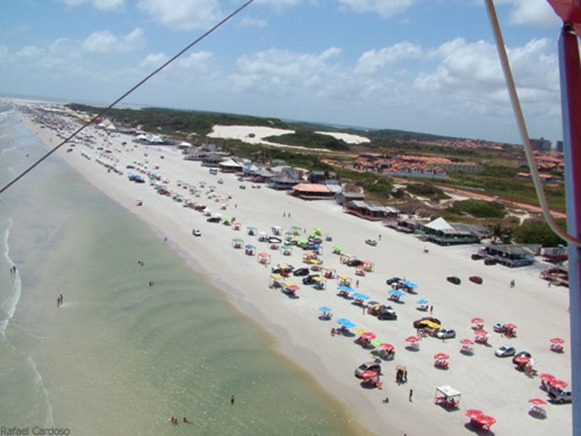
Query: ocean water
x: 121, y: 356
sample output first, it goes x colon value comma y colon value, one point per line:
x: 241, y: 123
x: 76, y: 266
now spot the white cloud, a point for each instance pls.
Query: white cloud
x: 182, y: 14
x: 104, y: 5
x: 384, y: 8
x: 373, y: 60
x: 531, y: 12
x: 105, y: 42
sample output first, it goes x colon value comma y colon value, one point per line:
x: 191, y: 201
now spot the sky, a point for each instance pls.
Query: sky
x: 419, y: 65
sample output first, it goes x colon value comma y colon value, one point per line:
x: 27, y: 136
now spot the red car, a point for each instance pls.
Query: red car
x: 476, y: 279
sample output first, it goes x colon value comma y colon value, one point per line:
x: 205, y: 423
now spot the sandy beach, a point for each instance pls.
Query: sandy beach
x: 486, y: 382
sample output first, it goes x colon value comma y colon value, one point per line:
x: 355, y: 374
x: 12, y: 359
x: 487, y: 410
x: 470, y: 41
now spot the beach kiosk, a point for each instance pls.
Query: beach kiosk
x: 251, y: 230
x: 447, y: 397
x: 275, y: 281
x: 329, y: 273
x: 237, y: 243
x: 296, y: 230
x: 263, y: 258
x: 250, y: 250
x: 344, y: 280
x: 319, y: 283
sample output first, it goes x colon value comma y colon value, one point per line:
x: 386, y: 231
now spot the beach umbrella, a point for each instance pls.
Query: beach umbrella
x: 441, y: 356
x: 522, y: 359
x: 480, y: 332
x: 361, y: 296
x: 368, y: 374
x: 557, y: 341
x: 537, y: 401
x: 412, y: 339
x: 386, y: 346
x: 324, y: 309
x: 369, y: 335
x: 547, y: 377
x: 349, y: 325
x: 473, y: 413
x: 422, y: 301
x: 485, y: 420
x: 343, y: 320
x: 376, y: 342
x: 408, y: 284
x: 396, y: 292
x: 466, y: 341
x: 345, y: 288
x: 559, y: 384
x: 477, y: 320
x: 360, y: 330
x: 510, y: 326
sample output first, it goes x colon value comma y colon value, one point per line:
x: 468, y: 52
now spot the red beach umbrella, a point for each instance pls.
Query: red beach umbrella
x: 547, y: 377
x: 466, y: 341
x: 537, y: 401
x: 473, y: 413
x: 368, y: 374
x: 557, y: 341
x: 486, y: 420
x: 412, y: 339
x: 510, y: 326
x: 477, y: 320
x: 522, y: 359
x: 386, y: 346
x: 480, y: 332
x: 558, y: 384
x: 441, y: 356
x: 369, y: 335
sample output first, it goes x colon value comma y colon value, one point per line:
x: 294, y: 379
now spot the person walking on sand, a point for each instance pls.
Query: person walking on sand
x: 232, y: 399
x: 411, y: 395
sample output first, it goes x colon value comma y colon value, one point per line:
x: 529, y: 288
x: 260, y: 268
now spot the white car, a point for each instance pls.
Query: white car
x: 446, y: 333
x: 505, y: 351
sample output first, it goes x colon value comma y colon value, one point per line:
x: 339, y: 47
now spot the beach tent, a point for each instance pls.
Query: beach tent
x: 344, y: 280
x: 264, y: 258
x: 237, y: 243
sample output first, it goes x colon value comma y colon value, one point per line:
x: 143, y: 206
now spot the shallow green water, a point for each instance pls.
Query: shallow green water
x: 120, y: 356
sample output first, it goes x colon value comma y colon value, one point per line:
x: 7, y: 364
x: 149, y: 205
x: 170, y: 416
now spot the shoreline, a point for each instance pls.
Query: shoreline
x: 302, y: 338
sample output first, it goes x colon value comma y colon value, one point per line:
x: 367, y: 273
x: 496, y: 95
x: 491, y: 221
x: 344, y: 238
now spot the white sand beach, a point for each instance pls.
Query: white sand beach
x: 486, y: 382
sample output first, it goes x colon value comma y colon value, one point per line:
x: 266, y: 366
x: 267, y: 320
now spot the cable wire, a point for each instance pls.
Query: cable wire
x: 522, y: 127
x: 130, y: 91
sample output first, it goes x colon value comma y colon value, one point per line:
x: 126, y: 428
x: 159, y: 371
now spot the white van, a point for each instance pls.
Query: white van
x: 213, y: 171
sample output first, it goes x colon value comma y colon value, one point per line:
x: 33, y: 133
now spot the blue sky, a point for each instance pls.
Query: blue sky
x: 420, y: 65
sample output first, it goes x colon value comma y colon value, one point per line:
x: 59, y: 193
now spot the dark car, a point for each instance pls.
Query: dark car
x: 454, y: 279
x: 521, y: 354
x: 418, y: 322
x: 386, y: 312
x: 393, y: 280
x: 310, y: 279
x: 355, y: 262
x: 476, y: 279
x: 214, y: 219
x: 301, y: 272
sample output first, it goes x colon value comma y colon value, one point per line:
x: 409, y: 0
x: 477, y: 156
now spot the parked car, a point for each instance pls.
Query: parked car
x: 274, y: 240
x: 454, y: 279
x: 561, y: 395
x: 386, y: 312
x: 476, y: 256
x: 368, y: 366
x: 505, y: 351
x: 355, y: 262
x: 371, y: 242
x: 418, y: 322
x: 242, y: 186
x: 475, y: 279
x: 446, y: 333
x: 521, y: 354
x: 196, y: 232
x: 498, y: 327
x: 490, y: 261
x: 301, y: 272
x: 214, y: 219
x: 392, y: 280
x: 310, y: 279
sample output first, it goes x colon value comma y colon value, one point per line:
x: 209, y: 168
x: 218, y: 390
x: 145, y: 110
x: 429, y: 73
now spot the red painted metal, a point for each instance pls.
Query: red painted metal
x: 569, y: 11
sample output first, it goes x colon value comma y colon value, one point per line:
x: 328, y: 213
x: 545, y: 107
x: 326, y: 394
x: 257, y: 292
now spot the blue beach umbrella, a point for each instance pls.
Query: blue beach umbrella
x: 343, y: 321
x: 422, y: 301
x: 345, y: 288
x: 324, y: 309
x: 349, y: 325
x: 360, y: 296
x: 396, y: 292
x: 408, y: 284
